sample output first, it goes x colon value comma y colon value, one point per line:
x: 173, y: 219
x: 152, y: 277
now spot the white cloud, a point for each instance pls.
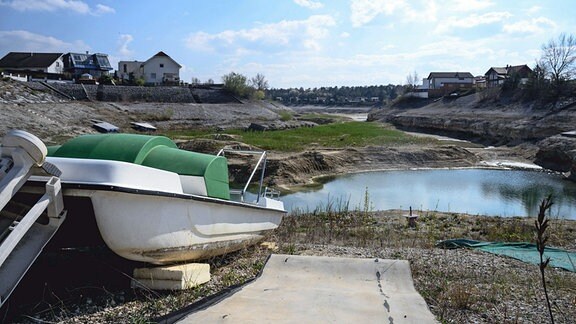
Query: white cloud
x: 345, y: 35
x: 309, y: 4
x: 364, y: 11
x: 76, y: 6
x: 24, y: 41
x: 306, y: 33
x: 471, y: 21
x: 102, y: 9
x: 533, y: 10
x: 123, y: 41
x: 427, y: 13
x: 467, y: 5
x: 532, y: 26
x: 454, y: 47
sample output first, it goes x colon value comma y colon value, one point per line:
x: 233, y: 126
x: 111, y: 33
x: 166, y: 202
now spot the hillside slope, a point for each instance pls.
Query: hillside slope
x: 53, y: 118
x: 498, y: 120
x: 494, y: 122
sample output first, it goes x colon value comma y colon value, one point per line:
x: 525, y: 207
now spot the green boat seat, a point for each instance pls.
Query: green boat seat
x: 152, y: 151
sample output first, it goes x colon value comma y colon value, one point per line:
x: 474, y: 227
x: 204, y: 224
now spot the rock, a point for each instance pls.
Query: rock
x: 557, y: 153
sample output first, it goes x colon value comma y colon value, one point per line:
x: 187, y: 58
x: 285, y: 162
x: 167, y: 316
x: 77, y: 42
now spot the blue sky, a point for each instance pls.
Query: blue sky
x: 294, y: 43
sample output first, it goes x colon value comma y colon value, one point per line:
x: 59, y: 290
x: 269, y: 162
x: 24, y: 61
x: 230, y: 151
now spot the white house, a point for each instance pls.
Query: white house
x: 125, y: 68
x: 159, y: 69
x: 51, y: 63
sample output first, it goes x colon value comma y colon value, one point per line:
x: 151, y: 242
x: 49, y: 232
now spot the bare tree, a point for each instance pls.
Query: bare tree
x: 412, y: 81
x: 259, y: 82
x: 559, y: 59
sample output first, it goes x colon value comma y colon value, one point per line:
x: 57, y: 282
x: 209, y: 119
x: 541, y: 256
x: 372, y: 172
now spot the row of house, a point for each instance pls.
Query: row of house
x: 159, y: 69
x: 162, y: 69
x: 439, y: 84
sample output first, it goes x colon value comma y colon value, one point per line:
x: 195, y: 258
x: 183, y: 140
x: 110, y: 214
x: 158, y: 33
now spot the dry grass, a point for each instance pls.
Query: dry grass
x: 460, y: 286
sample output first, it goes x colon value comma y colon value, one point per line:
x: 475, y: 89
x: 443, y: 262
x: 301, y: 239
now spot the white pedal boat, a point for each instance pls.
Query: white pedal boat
x: 156, y: 203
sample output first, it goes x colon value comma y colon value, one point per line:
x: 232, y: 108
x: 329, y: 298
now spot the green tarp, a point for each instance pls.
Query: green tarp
x: 526, y: 252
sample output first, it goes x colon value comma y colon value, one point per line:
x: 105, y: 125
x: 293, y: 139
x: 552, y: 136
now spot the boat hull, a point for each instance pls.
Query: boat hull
x: 168, y: 229
x: 143, y: 214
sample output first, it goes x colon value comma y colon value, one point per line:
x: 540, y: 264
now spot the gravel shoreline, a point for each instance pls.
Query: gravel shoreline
x: 460, y: 286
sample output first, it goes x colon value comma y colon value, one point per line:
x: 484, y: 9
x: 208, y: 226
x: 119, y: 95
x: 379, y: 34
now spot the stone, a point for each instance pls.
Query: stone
x: 176, y: 277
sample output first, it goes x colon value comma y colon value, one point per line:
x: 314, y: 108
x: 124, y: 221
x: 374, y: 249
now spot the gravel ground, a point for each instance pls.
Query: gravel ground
x: 460, y: 286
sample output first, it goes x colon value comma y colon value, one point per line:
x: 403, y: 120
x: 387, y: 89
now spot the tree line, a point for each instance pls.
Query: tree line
x: 337, y: 95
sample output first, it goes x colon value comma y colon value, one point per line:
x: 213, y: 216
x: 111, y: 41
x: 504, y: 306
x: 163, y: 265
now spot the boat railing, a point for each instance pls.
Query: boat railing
x: 271, y: 193
x: 261, y: 161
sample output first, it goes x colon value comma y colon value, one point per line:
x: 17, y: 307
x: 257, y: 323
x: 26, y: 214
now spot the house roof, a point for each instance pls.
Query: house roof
x: 498, y: 70
x: 450, y: 75
x: 517, y: 68
x: 503, y: 71
x: 28, y: 60
x: 96, y: 61
x: 162, y: 54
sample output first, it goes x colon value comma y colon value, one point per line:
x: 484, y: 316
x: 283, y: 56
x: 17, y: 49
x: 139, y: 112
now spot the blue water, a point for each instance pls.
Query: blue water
x: 474, y: 191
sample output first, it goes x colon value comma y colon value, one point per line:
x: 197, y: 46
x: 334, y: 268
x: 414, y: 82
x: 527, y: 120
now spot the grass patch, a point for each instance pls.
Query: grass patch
x: 336, y: 135
x: 285, y: 115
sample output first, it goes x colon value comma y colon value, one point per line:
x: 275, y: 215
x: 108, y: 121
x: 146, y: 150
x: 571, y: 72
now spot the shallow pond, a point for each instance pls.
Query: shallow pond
x: 475, y: 191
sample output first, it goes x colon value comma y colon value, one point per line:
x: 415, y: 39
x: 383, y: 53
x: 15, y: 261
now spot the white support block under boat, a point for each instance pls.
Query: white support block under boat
x: 179, y: 277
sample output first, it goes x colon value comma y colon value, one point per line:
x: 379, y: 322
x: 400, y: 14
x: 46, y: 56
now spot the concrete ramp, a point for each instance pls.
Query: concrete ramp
x: 311, y: 289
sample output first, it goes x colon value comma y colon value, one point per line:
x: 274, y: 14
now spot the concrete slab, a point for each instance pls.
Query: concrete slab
x: 311, y: 289
x: 179, y: 277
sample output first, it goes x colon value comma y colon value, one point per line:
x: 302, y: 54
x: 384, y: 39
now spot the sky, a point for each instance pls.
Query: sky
x: 295, y: 43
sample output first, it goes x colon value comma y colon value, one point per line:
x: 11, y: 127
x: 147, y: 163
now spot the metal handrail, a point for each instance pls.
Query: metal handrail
x: 262, y: 158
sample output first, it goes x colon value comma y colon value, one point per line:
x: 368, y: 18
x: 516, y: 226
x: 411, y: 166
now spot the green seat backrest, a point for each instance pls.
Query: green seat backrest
x: 131, y: 148
x: 153, y: 151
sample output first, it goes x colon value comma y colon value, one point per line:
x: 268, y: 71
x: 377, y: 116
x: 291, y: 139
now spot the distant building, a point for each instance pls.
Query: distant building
x: 496, y: 76
x: 78, y: 64
x: 37, y: 64
x: 159, y: 69
x: 56, y: 65
x: 439, y: 80
x: 442, y: 83
x: 480, y: 82
x: 420, y: 91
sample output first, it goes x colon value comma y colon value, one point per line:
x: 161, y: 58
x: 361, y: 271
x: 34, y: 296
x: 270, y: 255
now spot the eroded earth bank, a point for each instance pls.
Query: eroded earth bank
x: 500, y: 133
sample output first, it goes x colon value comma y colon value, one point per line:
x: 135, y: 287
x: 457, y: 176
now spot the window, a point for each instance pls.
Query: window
x: 161, y: 65
x: 153, y: 76
x: 125, y: 68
